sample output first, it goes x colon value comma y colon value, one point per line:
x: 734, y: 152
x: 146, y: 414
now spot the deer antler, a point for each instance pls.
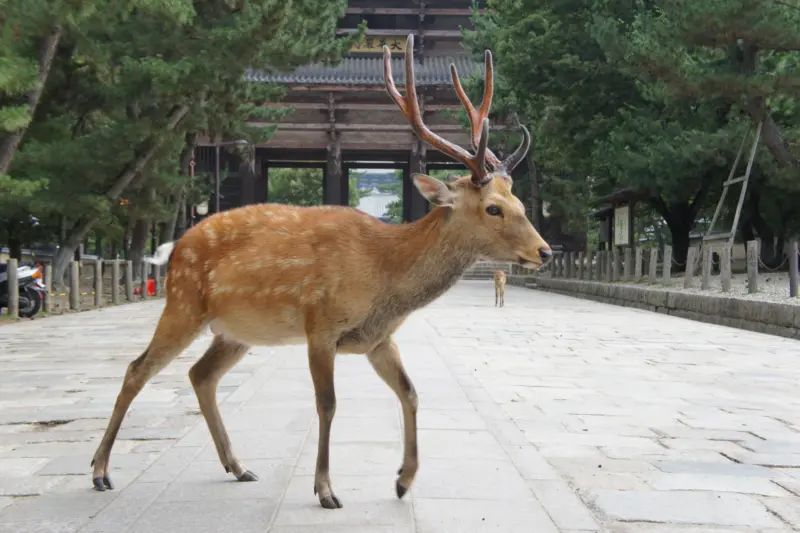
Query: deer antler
x: 409, y: 105
x: 477, y: 116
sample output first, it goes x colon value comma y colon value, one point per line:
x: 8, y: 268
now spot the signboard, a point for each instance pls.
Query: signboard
x: 375, y: 45
x: 621, y: 227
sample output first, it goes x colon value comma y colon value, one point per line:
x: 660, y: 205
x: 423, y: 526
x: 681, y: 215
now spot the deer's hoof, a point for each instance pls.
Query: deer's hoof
x: 401, y: 490
x: 331, y: 502
x: 102, y: 483
x: 247, y: 476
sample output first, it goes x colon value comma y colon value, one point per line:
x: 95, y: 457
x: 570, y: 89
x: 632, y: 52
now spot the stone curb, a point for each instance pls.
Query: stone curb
x: 763, y: 317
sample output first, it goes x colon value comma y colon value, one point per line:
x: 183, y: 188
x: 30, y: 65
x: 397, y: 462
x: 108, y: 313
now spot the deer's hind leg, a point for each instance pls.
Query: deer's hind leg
x: 385, y: 359
x: 221, y: 356
x: 175, y: 331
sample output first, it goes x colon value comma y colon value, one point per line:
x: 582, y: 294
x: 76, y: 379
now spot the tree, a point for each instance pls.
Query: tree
x: 597, y: 126
x: 303, y: 186
x: 128, y: 83
x: 745, y: 52
x: 740, y: 57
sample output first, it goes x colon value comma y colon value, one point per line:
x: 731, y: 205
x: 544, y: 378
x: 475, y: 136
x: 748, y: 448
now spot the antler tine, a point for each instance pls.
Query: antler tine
x: 410, y: 107
x: 476, y: 117
x: 481, y: 153
x: 519, y: 154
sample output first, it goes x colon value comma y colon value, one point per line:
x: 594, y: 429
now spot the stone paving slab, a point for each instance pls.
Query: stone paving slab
x: 552, y: 414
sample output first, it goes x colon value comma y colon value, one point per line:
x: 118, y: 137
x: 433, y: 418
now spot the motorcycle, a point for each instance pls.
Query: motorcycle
x: 30, y: 288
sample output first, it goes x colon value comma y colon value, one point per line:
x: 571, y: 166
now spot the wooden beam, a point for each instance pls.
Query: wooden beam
x: 456, y: 12
x: 358, y: 127
x: 440, y: 34
x: 356, y: 106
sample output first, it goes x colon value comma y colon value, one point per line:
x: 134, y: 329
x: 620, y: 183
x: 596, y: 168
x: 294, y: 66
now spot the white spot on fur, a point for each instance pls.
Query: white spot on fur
x: 190, y: 255
x: 294, y: 261
x: 210, y: 234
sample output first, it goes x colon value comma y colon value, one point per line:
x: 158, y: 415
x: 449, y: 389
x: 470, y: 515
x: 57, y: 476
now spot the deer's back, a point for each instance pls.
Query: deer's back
x: 268, y: 273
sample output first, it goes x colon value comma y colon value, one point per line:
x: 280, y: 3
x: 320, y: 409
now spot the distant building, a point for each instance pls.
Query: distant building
x: 373, y: 180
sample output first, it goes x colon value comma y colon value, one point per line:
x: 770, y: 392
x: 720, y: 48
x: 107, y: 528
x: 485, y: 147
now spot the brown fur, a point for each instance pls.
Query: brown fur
x: 332, y: 277
x: 499, y: 288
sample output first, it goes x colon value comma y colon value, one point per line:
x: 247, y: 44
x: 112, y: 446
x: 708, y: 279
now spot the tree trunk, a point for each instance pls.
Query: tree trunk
x: 134, y: 168
x: 679, y: 217
x: 176, y: 225
x: 141, y: 232
x: 536, y: 193
x: 169, y: 227
x: 47, y: 52
x: 66, y: 251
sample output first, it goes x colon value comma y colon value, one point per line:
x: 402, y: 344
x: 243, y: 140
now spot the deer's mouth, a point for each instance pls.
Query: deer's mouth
x: 527, y: 263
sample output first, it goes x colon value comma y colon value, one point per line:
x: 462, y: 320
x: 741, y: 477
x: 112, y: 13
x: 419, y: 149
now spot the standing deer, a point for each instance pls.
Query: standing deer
x: 334, y: 278
x: 499, y: 288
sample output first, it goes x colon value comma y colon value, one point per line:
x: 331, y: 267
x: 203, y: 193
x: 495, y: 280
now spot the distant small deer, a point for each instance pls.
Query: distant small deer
x: 334, y: 278
x: 499, y: 288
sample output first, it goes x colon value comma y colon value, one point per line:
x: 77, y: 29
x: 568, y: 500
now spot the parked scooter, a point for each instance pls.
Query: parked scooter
x: 29, y: 286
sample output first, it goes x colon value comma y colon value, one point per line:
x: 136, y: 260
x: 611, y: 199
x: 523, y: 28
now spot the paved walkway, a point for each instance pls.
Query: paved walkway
x: 550, y: 415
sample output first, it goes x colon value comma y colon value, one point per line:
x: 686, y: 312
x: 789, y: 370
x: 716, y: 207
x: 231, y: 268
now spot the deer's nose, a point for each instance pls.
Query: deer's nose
x: 545, y: 254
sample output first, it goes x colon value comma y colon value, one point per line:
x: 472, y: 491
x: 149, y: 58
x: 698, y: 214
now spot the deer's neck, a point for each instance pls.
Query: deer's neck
x: 426, y: 258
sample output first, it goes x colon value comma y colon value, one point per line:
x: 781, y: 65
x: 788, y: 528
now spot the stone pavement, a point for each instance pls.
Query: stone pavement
x: 552, y: 414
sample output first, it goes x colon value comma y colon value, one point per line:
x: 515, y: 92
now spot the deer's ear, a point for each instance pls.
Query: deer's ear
x: 434, y: 191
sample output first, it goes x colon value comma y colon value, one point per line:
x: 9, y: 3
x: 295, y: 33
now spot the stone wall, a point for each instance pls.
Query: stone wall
x: 753, y: 315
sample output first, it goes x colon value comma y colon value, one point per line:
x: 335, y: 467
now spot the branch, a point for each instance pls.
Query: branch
x: 154, y: 143
x: 46, y: 54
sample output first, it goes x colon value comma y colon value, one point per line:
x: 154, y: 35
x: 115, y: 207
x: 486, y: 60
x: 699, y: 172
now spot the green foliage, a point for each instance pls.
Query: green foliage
x: 303, y: 186
x: 648, y: 96
x: 128, y: 81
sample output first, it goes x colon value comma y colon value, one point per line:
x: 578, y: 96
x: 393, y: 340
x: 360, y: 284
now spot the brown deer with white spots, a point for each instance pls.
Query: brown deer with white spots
x: 499, y: 288
x: 333, y: 278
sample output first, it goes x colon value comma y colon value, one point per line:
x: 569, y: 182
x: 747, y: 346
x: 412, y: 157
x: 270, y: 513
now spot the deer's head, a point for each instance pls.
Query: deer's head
x: 482, y: 202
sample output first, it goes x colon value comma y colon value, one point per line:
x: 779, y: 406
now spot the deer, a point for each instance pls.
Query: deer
x: 499, y: 288
x: 333, y: 278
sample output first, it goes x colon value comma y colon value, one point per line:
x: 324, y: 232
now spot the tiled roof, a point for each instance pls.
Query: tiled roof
x: 369, y: 71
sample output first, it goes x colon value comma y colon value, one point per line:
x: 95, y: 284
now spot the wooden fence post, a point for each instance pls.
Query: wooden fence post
x: 12, y: 282
x: 652, y: 267
x: 144, y: 281
x: 616, y: 264
x: 637, y: 265
x: 48, y: 288
x: 129, y: 280
x: 589, y: 266
x: 666, y: 266
x: 581, y: 265
x: 601, y: 264
x: 568, y: 265
x: 705, y: 281
x: 157, y: 278
x: 98, y: 283
x: 793, y: 251
x: 688, y: 275
x: 725, y: 268
x: 74, y: 285
x: 626, y: 266
x: 115, y: 281
x: 752, y: 266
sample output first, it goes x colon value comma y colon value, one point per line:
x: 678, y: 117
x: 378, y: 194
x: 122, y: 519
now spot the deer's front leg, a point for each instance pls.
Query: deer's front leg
x: 385, y: 359
x: 321, y: 361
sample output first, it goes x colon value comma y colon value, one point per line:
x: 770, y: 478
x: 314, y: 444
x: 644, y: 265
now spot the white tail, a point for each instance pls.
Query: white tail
x: 162, y: 254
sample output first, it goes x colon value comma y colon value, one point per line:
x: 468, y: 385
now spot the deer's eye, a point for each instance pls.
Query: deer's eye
x: 494, y: 211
